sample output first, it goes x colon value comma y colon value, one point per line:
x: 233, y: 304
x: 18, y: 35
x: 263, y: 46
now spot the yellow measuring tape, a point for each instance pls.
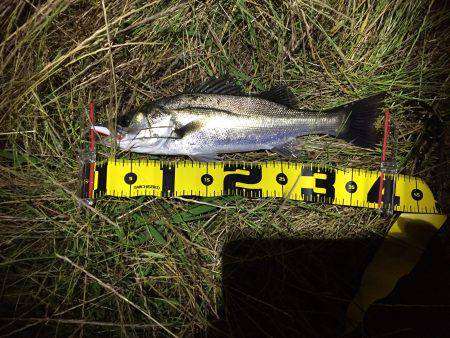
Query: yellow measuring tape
x: 409, y: 195
x: 305, y: 182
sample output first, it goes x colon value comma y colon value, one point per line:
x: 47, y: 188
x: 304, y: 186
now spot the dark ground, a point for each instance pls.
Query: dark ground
x: 270, y: 289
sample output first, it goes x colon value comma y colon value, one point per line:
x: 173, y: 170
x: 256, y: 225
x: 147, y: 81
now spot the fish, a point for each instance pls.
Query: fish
x: 216, y: 117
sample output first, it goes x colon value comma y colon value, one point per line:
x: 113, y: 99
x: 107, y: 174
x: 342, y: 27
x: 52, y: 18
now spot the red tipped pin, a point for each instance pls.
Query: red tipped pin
x: 92, y: 148
x: 383, y: 156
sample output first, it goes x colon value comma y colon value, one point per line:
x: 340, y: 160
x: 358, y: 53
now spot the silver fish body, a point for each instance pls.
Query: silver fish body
x: 227, y: 124
x: 219, y: 119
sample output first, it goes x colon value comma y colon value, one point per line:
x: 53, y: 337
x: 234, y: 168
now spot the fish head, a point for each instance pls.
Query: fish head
x: 140, y: 130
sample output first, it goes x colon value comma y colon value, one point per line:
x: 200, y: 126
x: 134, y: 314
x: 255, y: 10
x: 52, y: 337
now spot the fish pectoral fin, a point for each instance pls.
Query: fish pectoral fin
x: 187, y: 128
x: 288, y: 149
x: 213, y: 157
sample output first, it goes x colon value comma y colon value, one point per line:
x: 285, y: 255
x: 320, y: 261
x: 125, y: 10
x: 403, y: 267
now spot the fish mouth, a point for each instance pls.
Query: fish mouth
x: 105, y: 133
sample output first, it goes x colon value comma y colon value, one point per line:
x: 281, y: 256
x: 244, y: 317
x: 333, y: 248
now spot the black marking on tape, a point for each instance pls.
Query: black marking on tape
x: 230, y: 180
x: 102, y: 171
x: 168, y: 180
x: 207, y: 179
x: 417, y: 194
x: 282, y: 179
x: 327, y: 184
x: 130, y: 178
x: 134, y: 177
x: 351, y: 195
x: 388, y: 191
x: 351, y: 187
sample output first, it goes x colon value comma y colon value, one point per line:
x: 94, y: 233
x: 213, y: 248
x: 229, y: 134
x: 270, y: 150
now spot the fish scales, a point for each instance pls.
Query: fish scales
x: 233, y: 124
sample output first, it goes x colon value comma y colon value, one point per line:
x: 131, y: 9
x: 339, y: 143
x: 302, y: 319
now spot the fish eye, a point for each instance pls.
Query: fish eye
x: 132, y: 118
x: 138, y: 118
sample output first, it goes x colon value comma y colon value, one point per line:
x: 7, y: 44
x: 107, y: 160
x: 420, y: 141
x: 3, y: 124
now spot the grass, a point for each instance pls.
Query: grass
x: 150, y: 266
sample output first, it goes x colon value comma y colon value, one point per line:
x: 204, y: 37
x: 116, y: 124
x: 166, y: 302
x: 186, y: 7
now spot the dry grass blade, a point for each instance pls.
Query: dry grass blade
x: 115, y: 292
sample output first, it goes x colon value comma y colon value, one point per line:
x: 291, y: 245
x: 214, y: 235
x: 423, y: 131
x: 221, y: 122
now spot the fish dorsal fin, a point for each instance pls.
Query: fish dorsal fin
x: 221, y: 85
x: 281, y: 95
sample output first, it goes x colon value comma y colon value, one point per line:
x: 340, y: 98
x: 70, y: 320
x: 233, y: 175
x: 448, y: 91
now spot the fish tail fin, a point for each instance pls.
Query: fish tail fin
x: 359, y: 117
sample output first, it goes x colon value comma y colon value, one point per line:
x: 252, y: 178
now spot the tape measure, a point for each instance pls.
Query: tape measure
x: 297, y: 181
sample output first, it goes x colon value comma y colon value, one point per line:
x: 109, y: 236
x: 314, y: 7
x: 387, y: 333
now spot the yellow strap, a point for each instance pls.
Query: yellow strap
x: 396, y: 257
